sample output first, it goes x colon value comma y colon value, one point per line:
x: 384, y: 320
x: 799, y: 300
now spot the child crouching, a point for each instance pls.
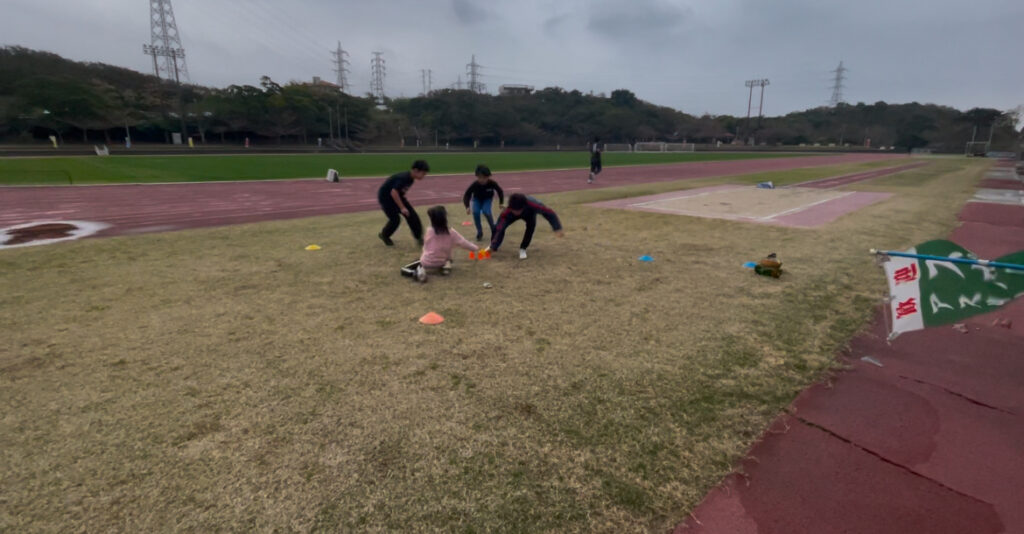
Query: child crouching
x: 438, y: 243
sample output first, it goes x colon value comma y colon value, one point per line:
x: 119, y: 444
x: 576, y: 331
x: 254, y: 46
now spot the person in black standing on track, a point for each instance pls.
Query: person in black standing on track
x: 595, y: 160
x: 391, y: 197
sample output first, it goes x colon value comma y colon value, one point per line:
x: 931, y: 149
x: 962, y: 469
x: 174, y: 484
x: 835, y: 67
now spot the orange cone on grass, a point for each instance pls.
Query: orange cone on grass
x: 431, y: 318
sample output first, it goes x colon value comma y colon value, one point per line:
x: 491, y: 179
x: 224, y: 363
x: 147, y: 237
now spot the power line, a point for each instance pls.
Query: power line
x: 270, y: 32
x: 282, y: 16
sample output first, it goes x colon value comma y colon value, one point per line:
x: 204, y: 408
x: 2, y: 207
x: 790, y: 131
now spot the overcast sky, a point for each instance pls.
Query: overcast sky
x: 687, y: 54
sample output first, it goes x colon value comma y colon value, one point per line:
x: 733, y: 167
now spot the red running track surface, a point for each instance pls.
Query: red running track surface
x: 163, y: 207
x: 929, y: 441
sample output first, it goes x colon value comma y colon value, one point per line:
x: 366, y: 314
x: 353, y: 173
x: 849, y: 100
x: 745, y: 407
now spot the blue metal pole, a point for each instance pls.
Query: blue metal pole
x: 968, y: 261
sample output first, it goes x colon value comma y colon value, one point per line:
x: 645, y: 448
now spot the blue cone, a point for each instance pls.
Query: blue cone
x: 750, y: 265
x: 646, y: 258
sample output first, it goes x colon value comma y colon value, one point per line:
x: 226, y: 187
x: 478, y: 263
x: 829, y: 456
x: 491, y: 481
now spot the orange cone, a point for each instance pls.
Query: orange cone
x: 472, y: 255
x: 431, y: 318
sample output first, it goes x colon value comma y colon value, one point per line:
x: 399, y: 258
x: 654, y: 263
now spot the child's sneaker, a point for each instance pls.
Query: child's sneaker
x: 387, y: 240
x: 479, y: 237
x: 446, y: 269
x: 522, y: 253
x: 421, y: 274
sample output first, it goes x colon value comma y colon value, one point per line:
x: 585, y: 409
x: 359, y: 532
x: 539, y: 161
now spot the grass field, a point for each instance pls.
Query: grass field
x: 227, y: 380
x: 149, y: 169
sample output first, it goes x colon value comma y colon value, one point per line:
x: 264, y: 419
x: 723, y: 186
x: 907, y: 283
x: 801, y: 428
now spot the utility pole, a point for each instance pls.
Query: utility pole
x: 473, y: 70
x: 346, y: 124
x: 837, y: 86
x: 330, y: 123
x: 377, y: 71
x: 341, y: 67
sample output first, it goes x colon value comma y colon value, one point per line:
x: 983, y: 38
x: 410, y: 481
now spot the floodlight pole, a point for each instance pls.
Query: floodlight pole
x: 750, y: 100
x: 760, y: 107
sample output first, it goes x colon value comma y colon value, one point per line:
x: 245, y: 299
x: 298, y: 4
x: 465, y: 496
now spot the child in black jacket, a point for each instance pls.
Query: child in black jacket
x: 481, y: 193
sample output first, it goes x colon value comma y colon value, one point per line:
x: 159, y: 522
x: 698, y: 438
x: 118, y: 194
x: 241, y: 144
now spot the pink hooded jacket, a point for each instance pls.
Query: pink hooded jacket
x: 437, y: 248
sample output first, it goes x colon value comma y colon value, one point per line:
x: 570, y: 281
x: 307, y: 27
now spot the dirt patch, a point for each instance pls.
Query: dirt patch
x: 38, y: 232
x: 744, y: 202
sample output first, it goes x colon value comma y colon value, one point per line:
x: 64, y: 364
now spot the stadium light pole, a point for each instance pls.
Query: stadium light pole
x: 750, y: 99
x: 174, y: 54
x: 760, y: 107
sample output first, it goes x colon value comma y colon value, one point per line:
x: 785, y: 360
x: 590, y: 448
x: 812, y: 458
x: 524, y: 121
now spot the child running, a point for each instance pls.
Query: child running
x: 526, y: 208
x: 437, y: 246
x: 481, y: 193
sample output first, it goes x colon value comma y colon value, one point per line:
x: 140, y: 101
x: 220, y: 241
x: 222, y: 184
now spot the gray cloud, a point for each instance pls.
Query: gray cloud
x: 688, y: 54
x: 554, y: 26
x: 467, y: 12
x: 639, y: 20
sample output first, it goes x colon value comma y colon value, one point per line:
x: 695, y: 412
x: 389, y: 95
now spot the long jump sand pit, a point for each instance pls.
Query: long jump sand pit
x: 791, y: 206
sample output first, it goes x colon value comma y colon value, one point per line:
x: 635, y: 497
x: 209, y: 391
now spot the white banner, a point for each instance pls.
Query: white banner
x: 905, y: 306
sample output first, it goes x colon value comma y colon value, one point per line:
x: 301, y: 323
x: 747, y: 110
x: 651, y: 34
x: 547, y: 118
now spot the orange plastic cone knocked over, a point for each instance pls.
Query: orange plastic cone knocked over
x: 431, y: 318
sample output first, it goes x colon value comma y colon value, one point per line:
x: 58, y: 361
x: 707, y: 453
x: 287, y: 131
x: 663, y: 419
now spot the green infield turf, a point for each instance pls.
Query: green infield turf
x: 154, y: 169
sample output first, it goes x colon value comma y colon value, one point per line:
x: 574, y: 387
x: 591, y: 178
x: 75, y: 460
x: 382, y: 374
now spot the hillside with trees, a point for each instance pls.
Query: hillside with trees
x: 42, y: 94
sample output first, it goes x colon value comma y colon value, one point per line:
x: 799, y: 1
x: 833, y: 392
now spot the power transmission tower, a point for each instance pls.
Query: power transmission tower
x: 165, y: 43
x: 377, y: 71
x: 458, y: 83
x: 473, y: 70
x: 341, y: 67
x: 837, y: 86
x: 428, y: 80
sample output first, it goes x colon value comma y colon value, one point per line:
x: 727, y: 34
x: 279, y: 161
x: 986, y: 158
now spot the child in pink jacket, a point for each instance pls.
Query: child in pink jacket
x: 438, y: 243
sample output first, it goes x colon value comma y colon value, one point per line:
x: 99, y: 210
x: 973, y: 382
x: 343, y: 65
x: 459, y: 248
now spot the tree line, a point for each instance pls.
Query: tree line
x: 43, y: 94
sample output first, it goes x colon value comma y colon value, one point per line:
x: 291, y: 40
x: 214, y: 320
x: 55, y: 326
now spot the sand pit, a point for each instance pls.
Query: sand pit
x: 792, y: 206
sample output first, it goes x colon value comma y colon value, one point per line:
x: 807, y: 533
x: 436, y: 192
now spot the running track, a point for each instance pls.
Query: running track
x: 162, y: 207
x: 925, y: 436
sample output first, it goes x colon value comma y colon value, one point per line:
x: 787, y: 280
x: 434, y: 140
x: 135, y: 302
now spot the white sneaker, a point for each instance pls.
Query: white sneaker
x: 421, y: 274
x: 522, y: 253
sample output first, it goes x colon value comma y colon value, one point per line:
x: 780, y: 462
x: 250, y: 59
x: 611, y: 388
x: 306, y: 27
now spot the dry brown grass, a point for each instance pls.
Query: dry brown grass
x: 227, y: 380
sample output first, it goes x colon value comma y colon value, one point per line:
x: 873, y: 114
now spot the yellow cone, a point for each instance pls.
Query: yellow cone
x: 313, y: 247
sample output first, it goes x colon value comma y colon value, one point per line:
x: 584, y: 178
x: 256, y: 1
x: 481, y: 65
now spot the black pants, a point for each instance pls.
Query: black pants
x: 531, y: 224
x: 393, y: 212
